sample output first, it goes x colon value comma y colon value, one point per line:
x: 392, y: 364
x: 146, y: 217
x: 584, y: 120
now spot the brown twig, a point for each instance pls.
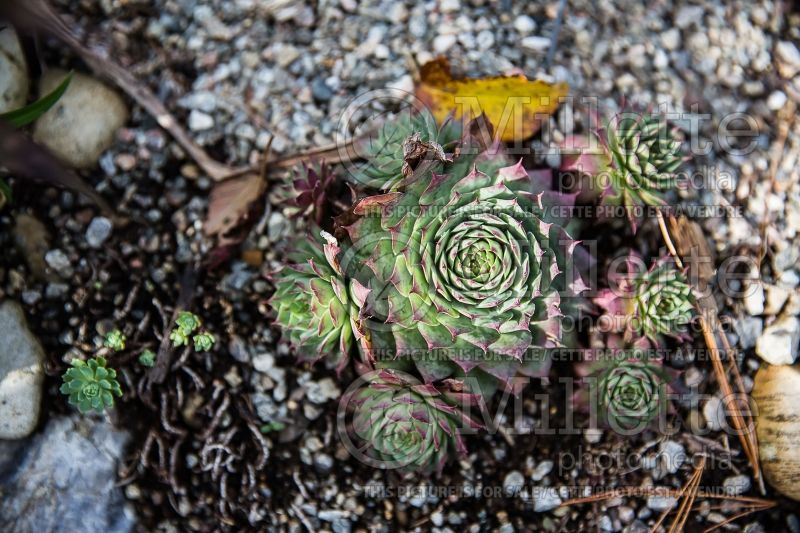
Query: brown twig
x: 690, y: 489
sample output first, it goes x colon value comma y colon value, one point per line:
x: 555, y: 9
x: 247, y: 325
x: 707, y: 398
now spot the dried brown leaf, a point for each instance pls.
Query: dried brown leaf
x: 230, y: 205
x: 25, y: 159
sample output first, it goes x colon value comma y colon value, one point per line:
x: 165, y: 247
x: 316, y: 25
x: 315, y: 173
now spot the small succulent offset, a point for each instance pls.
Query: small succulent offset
x: 115, y: 340
x: 384, y: 155
x: 631, y: 390
x: 307, y: 190
x: 91, y: 385
x: 315, y: 309
x: 409, y: 425
x: 645, y: 158
x: 460, y: 276
x: 147, y: 359
x: 185, y: 325
x: 635, y: 164
x: 203, y: 341
x: 654, y: 303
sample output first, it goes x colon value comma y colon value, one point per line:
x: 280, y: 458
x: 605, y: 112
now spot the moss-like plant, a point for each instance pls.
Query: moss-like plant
x: 115, y: 340
x: 204, y: 341
x: 185, y: 325
x: 91, y: 385
x: 147, y: 359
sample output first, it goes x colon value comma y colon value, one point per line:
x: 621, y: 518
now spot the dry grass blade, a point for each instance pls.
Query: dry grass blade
x: 691, y: 487
x: 737, y: 516
x: 691, y: 243
x: 690, y: 490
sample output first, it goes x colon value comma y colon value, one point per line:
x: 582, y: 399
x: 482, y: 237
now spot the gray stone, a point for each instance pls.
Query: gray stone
x: 671, y: 455
x: 59, y: 262
x: 545, y: 499
x: 714, y: 413
x: 671, y: 39
x: 754, y: 298
x: 535, y: 43
x: 13, y: 72
x: 323, y: 463
x: 524, y: 24
x: 98, y: 232
x: 736, y: 485
x: 513, y: 482
x: 322, y: 391
x: 748, y: 329
x: 64, y: 479
x: 788, y: 57
x: 541, y: 470
x: 661, y: 503
x: 21, y: 374
x: 776, y: 100
x: 199, y: 121
x: 81, y: 126
x: 778, y: 344
x: 263, y: 362
x: 320, y: 90
x: 443, y: 43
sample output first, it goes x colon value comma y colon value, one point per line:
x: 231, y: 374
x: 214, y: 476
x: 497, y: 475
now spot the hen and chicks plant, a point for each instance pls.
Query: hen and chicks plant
x: 91, y: 385
x: 456, y: 280
x: 451, y: 278
x: 632, y: 162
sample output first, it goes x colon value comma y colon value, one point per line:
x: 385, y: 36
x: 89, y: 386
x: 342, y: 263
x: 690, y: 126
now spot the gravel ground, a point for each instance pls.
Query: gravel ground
x: 239, y: 72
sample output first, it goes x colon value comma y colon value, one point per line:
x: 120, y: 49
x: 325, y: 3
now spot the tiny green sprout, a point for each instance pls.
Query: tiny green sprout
x: 188, y: 322
x: 147, y: 359
x: 272, y: 426
x: 90, y: 385
x: 204, y: 341
x: 179, y: 338
x: 115, y: 340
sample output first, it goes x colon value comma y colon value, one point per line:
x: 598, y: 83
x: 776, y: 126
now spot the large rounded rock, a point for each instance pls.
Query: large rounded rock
x: 83, y: 122
x: 13, y: 72
x: 21, y: 374
x: 65, y: 479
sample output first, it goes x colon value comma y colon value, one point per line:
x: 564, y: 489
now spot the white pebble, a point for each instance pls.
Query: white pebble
x: 536, y: 43
x: 443, y: 43
x: 524, y: 24
x: 199, y: 121
x: 776, y: 100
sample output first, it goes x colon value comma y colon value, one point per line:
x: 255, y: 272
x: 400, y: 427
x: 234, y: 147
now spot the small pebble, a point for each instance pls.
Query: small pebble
x: 513, y: 482
x: 199, y: 121
x: 98, y: 232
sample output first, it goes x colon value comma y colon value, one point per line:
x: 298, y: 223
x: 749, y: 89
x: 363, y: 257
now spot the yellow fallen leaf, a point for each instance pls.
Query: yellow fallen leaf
x: 515, y: 105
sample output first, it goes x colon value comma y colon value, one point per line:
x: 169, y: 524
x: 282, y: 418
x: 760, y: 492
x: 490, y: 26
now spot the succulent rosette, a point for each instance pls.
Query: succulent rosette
x: 651, y: 303
x: 385, y: 152
x: 468, y: 273
x: 633, y: 160
x: 625, y: 382
x: 91, y: 385
x: 400, y: 423
x: 632, y: 390
x: 306, y: 190
x: 315, y: 309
